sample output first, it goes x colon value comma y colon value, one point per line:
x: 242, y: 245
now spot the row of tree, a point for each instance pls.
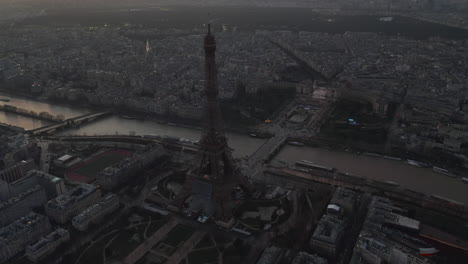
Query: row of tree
x: 25, y: 112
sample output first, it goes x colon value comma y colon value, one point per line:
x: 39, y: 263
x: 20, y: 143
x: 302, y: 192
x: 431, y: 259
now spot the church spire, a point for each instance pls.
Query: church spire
x: 148, y: 48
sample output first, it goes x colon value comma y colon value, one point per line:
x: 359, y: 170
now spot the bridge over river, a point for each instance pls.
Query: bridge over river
x: 71, y: 122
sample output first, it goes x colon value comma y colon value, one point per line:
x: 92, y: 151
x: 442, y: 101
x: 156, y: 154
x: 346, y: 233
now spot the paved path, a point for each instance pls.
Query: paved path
x: 186, y: 247
x: 146, y: 246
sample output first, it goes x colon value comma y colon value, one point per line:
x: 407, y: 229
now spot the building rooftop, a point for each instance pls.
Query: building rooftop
x: 19, y: 197
x: 344, y: 195
x: 44, y: 175
x: 306, y: 258
x: 379, y: 243
x: 403, y: 221
x: 381, y: 211
x: 20, y: 226
x: 329, y: 229
x: 376, y: 248
x: 65, y: 158
x: 270, y: 255
x: 95, y: 208
x: 72, y: 196
x: 59, y: 233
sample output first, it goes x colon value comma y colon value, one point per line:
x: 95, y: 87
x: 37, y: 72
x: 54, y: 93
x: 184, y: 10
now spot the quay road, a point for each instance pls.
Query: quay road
x: 122, y: 140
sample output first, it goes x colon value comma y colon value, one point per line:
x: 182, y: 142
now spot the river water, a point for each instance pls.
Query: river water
x: 243, y: 145
x: 419, y: 179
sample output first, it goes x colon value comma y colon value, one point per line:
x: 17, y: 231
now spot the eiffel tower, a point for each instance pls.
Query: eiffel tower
x: 215, y: 176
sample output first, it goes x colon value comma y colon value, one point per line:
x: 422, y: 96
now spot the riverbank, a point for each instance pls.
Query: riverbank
x: 11, y: 127
x: 23, y: 112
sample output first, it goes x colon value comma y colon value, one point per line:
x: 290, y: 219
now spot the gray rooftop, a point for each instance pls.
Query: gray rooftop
x: 306, y: 258
x: 50, y: 238
x: 329, y: 229
x: 20, y: 226
x: 19, y: 197
x: 95, y: 208
x: 72, y: 196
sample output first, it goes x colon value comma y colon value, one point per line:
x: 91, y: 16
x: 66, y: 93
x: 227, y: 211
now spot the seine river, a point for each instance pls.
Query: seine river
x: 419, y: 179
x: 243, y: 145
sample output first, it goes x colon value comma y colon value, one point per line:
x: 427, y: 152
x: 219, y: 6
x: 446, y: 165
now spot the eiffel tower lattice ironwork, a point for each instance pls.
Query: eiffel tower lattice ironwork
x: 215, y: 176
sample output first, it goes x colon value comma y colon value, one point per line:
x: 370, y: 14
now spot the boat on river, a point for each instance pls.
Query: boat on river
x: 444, y: 172
x: 370, y: 154
x: 127, y: 117
x: 386, y: 19
x: 311, y: 165
x: 4, y: 100
x: 392, y: 158
x: 295, y: 143
x: 417, y: 164
x: 184, y: 140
